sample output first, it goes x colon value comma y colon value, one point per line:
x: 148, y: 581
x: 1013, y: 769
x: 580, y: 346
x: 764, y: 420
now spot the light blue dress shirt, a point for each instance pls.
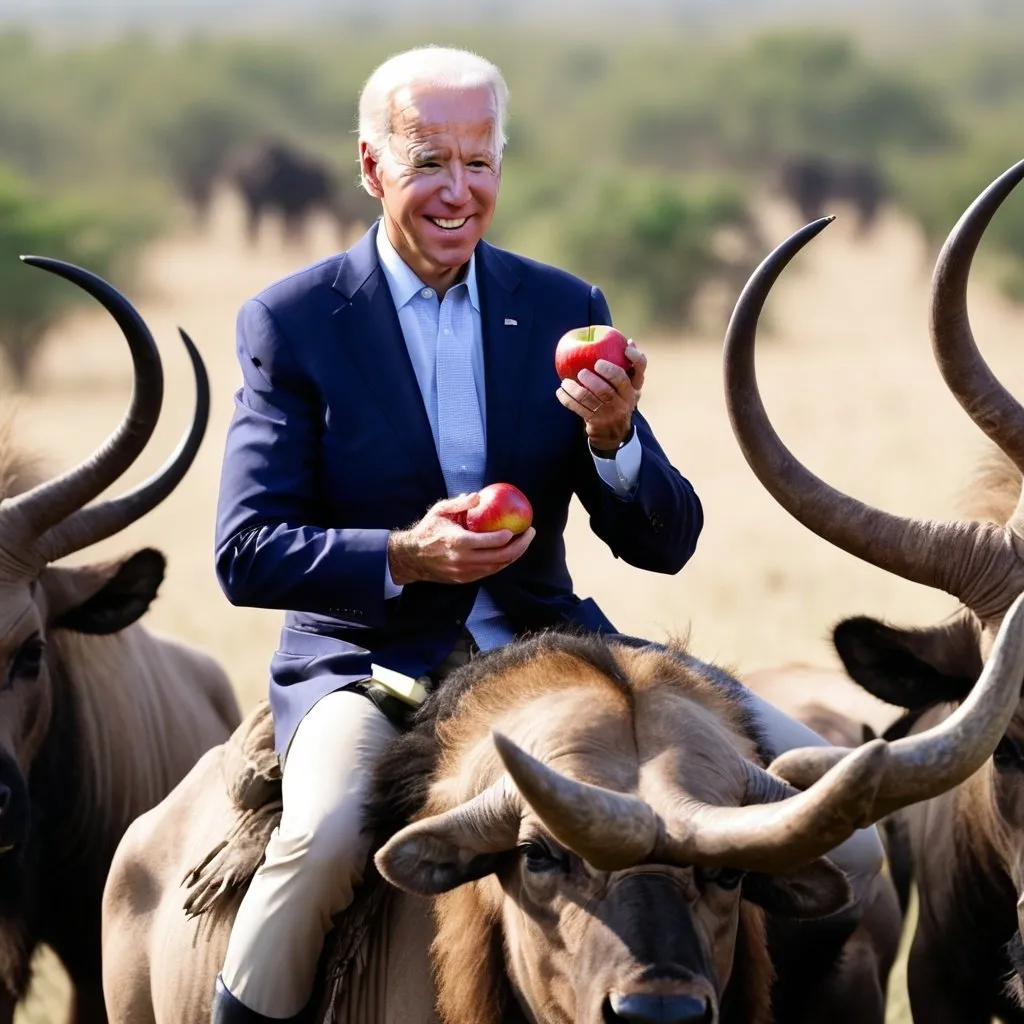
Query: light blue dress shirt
x: 419, y: 315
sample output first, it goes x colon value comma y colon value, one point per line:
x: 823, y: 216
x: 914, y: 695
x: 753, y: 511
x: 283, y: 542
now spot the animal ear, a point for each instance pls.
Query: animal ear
x: 911, y: 668
x: 815, y: 890
x: 427, y: 858
x: 102, y: 599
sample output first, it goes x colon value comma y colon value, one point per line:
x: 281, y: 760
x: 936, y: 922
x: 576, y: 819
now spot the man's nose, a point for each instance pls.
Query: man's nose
x: 457, y: 187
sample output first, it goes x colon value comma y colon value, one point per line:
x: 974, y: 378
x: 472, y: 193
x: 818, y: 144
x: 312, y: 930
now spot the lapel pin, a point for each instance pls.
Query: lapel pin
x: 509, y: 322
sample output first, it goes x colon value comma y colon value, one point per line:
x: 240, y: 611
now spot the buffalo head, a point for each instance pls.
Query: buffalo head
x: 44, y: 521
x: 605, y: 838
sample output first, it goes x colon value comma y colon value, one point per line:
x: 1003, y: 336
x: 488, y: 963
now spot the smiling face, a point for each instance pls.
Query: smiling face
x: 437, y: 178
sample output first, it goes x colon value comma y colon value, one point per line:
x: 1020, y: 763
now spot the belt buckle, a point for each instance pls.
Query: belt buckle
x: 398, y: 685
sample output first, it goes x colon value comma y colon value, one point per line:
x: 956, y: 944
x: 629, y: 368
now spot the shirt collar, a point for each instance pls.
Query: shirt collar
x: 403, y: 282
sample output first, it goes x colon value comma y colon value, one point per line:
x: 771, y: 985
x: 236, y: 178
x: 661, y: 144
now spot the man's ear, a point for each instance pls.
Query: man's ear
x: 911, y: 668
x: 815, y: 890
x: 369, y: 167
x: 103, y: 599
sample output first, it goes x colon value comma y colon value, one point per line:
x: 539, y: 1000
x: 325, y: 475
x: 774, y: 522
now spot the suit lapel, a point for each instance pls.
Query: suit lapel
x: 374, y: 343
x: 507, y: 317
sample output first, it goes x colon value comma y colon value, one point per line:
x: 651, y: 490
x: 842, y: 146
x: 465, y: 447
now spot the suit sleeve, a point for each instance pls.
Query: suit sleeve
x: 272, y: 549
x: 657, y: 527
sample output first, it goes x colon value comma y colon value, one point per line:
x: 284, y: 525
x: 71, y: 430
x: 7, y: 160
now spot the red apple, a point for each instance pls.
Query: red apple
x: 501, y: 507
x: 583, y: 346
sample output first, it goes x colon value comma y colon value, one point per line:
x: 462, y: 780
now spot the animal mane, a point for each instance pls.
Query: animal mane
x: 992, y: 493
x: 20, y: 471
x: 473, y: 987
x: 122, y: 758
x: 468, y: 950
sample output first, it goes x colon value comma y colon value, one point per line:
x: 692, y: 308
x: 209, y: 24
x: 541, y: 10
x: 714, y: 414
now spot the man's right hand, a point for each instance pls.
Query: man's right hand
x: 438, y: 549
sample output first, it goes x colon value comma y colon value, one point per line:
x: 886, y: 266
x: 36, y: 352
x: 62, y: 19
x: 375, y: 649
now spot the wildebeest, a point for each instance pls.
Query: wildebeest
x: 99, y: 719
x: 966, y: 961
x: 812, y: 182
x: 838, y: 970
x: 274, y: 177
x: 591, y: 825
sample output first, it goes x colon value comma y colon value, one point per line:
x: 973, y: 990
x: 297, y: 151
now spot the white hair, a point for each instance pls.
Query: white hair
x: 437, y: 66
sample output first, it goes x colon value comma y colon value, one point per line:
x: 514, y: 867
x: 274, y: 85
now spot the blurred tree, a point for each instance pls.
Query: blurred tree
x: 103, y: 241
x: 662, y: 241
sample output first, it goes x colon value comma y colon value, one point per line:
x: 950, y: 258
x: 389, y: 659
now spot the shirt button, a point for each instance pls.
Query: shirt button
x: 446, y: 331
x: 427, y: 293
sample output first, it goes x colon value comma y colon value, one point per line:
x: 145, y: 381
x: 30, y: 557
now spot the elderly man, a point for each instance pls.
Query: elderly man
x: 384, y: 387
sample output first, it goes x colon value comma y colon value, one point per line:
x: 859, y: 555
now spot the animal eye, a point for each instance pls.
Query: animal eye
x: 1008, y: 755
x: 538, y: 858
x: 26, y: 660
x: 724, y: 878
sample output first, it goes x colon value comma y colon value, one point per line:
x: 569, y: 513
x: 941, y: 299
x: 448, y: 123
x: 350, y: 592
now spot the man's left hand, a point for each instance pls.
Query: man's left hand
x: 605, y: 399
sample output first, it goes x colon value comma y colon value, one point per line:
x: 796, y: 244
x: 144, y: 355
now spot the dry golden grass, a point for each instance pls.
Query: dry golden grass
x: 847, y: 376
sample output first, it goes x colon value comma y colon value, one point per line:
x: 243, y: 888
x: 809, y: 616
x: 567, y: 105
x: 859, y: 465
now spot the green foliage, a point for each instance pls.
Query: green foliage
x: 102, y: 240
x: 646, y: 108
x: 659, y: 241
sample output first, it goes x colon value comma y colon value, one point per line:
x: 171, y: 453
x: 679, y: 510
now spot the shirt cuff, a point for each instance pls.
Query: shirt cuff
x: 622, y: 473
x: 391, y: 588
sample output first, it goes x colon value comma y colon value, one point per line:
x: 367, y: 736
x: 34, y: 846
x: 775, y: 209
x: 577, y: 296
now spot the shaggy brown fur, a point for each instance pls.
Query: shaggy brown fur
x: 473, y: 987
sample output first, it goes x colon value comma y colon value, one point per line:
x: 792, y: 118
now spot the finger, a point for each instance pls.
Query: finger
x: 499, y: 554
x: 639, y: 361
x: 510, y: 552
x: 469, y: 542
x: 572, y: 405
x: 452, y: 506
x: 582, y: 394
x: 616, y: 376
x: 598, y: 386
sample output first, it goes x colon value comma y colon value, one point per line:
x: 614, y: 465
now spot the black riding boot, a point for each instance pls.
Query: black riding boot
x: 228, y: 1010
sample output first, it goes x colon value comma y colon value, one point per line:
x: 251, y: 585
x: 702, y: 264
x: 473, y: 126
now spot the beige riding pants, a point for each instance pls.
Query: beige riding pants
x: 315, y: 857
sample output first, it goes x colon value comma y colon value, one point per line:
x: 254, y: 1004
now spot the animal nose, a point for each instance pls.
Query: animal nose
x: 654, y: 1009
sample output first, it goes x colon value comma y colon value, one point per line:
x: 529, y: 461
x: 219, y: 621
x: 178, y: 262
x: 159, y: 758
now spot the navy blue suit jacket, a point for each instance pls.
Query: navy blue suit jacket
x: 330, y: 449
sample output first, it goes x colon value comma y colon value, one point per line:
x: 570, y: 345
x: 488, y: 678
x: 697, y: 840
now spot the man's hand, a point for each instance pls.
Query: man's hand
x: 439, y: 549
x: 605, y: 400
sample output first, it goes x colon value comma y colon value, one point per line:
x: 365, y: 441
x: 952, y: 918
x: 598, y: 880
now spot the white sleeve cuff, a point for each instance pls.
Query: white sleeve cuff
x: 622, y: 473
x: 391, y: 588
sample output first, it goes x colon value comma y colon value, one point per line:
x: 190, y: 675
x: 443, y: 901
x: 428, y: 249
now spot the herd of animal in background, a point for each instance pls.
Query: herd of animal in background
x: 274, y: 177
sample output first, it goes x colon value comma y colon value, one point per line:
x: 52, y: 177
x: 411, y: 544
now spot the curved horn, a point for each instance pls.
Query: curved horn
x: 936, y: 554
x: 613, y: 831
x: 924, y: 765
x: 785, y: 832
x: 779, y: 830
x: 89, y: 525
x: 607, y: 829
x: 47, y: 504
x: 964, y: 370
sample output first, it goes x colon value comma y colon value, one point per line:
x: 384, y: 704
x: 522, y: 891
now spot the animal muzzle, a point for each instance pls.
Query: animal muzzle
x: 643, y: 960
x: 647, y: 1008
x: 14, y: 805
